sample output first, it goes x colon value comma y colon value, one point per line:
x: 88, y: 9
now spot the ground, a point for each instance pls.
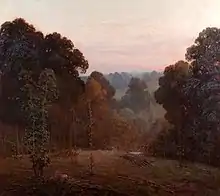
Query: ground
x: 128, y: 175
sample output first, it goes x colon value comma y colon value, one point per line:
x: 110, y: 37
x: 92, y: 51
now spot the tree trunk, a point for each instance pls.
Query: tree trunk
x: 73, y: 150
x: 4, y: 144
x: 70, y: 137
x: 90, y: 137
x: 17, y: 141
x: 73, y: 128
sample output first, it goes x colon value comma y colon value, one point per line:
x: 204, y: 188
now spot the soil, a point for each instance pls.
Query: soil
x: 114, y: 173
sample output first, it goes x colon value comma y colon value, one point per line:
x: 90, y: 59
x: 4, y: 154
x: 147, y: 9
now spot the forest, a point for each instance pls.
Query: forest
x: 51, y: 109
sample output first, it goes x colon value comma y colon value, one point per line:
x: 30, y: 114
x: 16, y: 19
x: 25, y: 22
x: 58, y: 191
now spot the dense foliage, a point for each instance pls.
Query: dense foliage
x: 192, y: 102
x: 33, y: 66
x: 137, y: 96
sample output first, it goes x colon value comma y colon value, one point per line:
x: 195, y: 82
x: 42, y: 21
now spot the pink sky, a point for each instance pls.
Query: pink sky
x: 121, y: 35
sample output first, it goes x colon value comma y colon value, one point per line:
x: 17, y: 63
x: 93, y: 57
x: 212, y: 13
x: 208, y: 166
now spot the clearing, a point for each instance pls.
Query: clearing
x: 119, y: 174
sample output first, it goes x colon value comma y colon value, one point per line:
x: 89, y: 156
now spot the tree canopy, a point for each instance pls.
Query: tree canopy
x: 169, y: 92
x: 190, y: 95
x: 34, y: 68
x: 22, y: 47
x: 137, y: 96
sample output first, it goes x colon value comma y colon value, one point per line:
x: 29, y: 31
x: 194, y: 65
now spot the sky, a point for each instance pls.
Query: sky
x: 121, y: 35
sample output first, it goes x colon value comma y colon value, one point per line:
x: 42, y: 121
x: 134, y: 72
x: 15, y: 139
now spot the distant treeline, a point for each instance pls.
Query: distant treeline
x: 120, y: 80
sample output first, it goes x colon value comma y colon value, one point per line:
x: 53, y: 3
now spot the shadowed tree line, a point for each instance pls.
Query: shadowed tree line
x: 189, y: 92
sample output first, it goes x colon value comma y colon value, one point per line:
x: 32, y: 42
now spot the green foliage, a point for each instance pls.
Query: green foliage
x: 66, y: 61
x: 202, y: 90
x: 205, y: 52
x: 22, y: 47
x: 169, y: 93
x: 34, y: 68
x: 38, y: 97
x: 191, y: 99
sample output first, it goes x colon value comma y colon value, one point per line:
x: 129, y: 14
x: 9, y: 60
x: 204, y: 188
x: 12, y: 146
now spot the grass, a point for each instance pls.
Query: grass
x: 162, y: 177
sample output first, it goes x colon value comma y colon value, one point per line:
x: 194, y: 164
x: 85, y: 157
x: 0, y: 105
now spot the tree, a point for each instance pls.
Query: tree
x: 51, y: 51
x: 119, y: 80
x: 30, y: 61
x: 94, y: 94
x: 106, y: 86
x: 16, y: 49
x: 19, y: 49
x: 147, y: 77
x: 99, y: 94
x: 169, y: 93
x: 123, y: 133
x: 196, y: 98
x: 170, y: 96
x: 66, y: 61
x: 202, y: 90
x: 205, y: 52
x: 37, y: 98
x: 137, y: 96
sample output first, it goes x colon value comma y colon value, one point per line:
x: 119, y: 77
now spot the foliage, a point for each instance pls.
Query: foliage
x: 99, y: 92
x: 33, y: 66
x: 119, y: 80
x: 17, y: 52
x: 169, y: 93
x: 108, y: 128
x: 202, y: 90
x: 105, y: 84
x: 38, y: 96
x: 23, y: 47
x: 137, y: 96
x: 205, y: 52
x: 124, y: 134
x: 195, y: 96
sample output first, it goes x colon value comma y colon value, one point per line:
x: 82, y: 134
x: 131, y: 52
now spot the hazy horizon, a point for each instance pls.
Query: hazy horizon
x: 121, y: 35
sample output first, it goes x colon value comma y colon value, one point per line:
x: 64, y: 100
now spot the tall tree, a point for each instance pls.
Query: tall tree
x: 30, y: 61
x: 66, y: 61
x: 205, y: 52
x: 170, y: 96
x: 169, y: 93
x: 137, y: 96
x: 202, y: 90
x: 20, y: 42
x: 105, y: 84
x: 38, y: 95
x: 199, y: 93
